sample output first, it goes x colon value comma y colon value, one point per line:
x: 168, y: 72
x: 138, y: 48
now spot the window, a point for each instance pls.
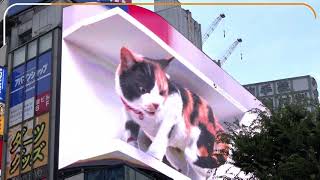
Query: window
x: 45, y: 43
x: 265, y: 89
x: 132, y: 174
x: 283, y: 86
x: 252, y: 90
x: 19, y: 56
x: 115, y: 173
x: 96, y: 175
x: 284, y: 100
x: 140, y: 176
x: 25, y: 37
x: 300, y: 97
x: 32, y: 49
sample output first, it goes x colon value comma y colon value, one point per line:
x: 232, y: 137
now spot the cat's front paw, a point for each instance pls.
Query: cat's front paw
x: 156, y: 154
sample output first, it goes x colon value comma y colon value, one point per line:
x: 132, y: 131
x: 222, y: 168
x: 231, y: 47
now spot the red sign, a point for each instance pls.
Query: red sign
x: 43, y: 103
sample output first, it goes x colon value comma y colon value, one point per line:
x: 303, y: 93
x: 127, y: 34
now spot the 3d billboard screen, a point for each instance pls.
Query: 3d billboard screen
x: 119, y: 81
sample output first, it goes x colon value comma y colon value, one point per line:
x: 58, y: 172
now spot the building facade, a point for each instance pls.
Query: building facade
x: 31, y: 56
x: 182, y: 20
x: 115, y: 172
x: 119, y: 168
x: 278, y: 92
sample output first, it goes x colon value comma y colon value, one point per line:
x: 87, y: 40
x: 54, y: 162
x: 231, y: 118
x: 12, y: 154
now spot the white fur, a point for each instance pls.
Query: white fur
x: 192, y: 147
x: 168, y: 76
x: 142, y: 104
x: 151, y: 123
x: 157, y: 127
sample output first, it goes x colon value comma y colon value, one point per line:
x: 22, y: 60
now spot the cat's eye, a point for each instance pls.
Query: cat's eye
x: 142, y: 90
x: 162, y: 93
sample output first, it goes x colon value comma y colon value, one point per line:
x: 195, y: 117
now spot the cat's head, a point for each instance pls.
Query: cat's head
x: 141, y: 81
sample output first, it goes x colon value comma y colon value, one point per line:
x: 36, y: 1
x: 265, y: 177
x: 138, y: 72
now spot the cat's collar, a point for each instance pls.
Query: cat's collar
x: 129, y: 108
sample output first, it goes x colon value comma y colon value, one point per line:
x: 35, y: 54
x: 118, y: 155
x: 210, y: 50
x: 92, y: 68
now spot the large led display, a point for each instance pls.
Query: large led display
x: 126, y: 74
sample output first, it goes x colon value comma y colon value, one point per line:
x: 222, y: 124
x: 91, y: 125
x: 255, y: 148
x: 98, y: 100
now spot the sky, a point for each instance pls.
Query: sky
x: 278, y: 41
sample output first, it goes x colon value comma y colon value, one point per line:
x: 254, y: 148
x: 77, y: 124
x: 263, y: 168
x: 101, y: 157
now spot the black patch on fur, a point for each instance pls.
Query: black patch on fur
x: 170, y: 132
x: 184, y: 97
x: 221, y: 159
x: 206, y: 139
x: 139, y: 75
x: 172, y: 87
x: 210, y: 115
x: 132, y: 127
x: 206, y: 162
x: 195, y: 110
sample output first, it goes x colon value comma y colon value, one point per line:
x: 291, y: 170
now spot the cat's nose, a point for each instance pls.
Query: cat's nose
x: 155, y: 106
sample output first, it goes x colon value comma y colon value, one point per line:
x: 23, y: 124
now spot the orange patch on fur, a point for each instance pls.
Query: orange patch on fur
x: 188, y: 110
x: 128, y: 58
x: 203, y: 118
x: 203, y: 112
x: 221, y: 149
x: 203, y: 151
x: 161, y: 79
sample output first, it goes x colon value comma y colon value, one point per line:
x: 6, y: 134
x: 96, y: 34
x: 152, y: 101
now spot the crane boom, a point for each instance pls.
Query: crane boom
x: 229, y: 52
x: 212, y: 27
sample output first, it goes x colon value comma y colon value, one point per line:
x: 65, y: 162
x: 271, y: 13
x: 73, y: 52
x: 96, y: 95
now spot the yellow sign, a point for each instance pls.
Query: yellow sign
x: 2, y: 108
x: 13, y: 152
x: 28, y: 146
x: 40, y: 147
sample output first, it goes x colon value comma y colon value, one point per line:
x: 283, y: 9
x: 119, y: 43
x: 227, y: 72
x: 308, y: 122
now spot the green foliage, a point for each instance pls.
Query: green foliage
x: 284, y: 144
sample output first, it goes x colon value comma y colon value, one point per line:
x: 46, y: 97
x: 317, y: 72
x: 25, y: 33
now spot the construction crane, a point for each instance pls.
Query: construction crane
x: 229, y: 52
x: 212, y: 27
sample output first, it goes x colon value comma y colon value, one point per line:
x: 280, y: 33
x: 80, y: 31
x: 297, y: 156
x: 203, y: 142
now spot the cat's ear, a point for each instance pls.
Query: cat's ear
x: 164, y: 63
x: 128, y: 58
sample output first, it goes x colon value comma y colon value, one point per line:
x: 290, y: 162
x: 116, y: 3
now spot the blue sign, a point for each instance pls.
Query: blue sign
x: 26, y: 83
x: 17, y: 85
x: 44, y: 73
x: 30, y: 78
x: 3, y: 84
x: 17, y: 82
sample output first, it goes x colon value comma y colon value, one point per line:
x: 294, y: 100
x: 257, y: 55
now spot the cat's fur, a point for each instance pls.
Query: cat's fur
x: 165, y: 119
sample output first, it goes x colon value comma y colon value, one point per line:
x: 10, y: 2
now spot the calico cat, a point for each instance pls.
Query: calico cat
x: 165, y: 119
